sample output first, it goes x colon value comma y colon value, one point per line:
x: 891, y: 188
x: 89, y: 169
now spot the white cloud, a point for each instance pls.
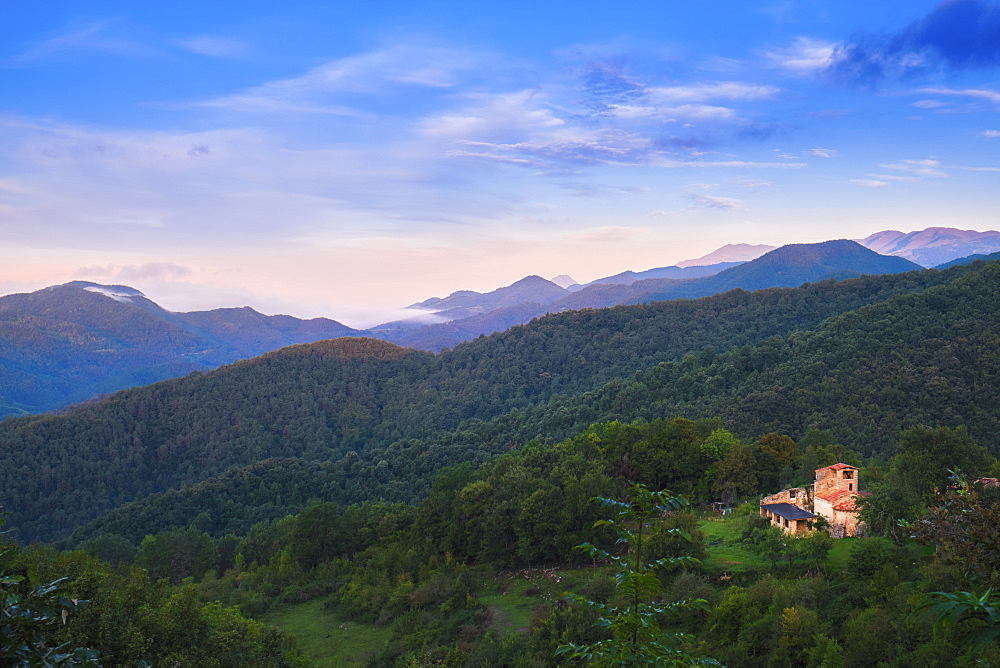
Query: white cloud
x: 373, y: 73
x: 700, y: 112
x: 570, y: 146
x: 926, y: 167
x: 493, y: 117
x: 990, y: 134
x: 118, y: 296
x: 805, y: 55
x: 148, y: 271
x: 695, y: 112
x: 703, y: 92
x: 929, y: 104
x: 713, y: 202
x: 822, y: 152
x: 869, y: 183
x: 979, y: 93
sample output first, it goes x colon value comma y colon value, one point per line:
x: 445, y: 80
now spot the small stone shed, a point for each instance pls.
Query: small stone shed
x: 792, y: 519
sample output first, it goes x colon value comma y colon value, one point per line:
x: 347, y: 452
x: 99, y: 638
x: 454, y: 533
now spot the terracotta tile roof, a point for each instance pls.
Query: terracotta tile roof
x: 835, y: 495
x: 851, y: 503
x: 838, y: 467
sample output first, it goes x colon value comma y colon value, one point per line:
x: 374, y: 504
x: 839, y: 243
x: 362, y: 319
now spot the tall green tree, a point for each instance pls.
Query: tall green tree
x: 636, y: 636
x: 927, y: 456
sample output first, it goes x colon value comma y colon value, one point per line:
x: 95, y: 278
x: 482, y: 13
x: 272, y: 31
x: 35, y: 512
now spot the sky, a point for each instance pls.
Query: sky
x: 346, y: 159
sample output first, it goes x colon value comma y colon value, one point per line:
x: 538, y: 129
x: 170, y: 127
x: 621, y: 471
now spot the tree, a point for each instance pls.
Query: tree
x: 178, y: 554
x: 928, y: 456
x: 29, y: 615
x: 768, y: 541
x: 636, y: 636
x: 881, y: 512
x: 977, y: 616
x: 736, y: 473
x: 816, y: 545
x: 962, y: 527
x: 777, y: 456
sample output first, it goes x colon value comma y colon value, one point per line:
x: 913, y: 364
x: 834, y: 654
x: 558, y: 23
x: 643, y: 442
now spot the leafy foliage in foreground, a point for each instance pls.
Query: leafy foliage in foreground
x: 29, y: 615
x: 636, y: 636
x: 977, y: 616
x: 437, y: 582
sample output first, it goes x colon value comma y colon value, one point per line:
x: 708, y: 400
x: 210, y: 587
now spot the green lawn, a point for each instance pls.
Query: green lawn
x: 326, y: 637
x: 515, y: 595
x: 727, y: 556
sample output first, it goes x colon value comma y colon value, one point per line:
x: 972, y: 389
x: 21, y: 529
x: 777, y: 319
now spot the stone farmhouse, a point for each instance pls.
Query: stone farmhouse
x: 832, y: 496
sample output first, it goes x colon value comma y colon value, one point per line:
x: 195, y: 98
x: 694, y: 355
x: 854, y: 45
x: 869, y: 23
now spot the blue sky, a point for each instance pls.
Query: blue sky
x: 344, y: 159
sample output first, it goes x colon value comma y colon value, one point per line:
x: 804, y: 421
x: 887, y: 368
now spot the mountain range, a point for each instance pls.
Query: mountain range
x: 70, y: 343
x: 787, y: 266
x: 862, y: 358
x: 933, y: 246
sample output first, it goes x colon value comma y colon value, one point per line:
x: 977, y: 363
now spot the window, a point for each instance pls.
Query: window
x: 848, y: 475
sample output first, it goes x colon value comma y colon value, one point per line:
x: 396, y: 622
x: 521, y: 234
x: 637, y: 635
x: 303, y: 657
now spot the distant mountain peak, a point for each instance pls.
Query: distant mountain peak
x: 729, y: 253
x: 563, y: 281
x: 117, y: 292
x: 933, y: 246
x: 114, y: 294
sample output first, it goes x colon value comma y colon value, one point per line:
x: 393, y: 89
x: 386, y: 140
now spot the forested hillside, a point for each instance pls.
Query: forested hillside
x: 788, y: 266
x: 390, y: 417
x: 476, y: 572
x: 69, y: 343
x: 926, y: 358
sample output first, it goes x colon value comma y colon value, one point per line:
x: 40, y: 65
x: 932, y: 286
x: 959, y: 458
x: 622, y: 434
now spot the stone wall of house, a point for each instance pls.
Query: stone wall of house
x: 835, y: 478
x: 832, y: 496
x: 847, y: 519
x: 797, y: 496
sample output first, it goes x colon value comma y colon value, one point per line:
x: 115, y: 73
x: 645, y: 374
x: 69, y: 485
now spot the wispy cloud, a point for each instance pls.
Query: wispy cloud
x: 703, y: 92
x: 168, y: 271
x: 607, y: 147
x: 869, y: 183
x: 714, y: 202
x: 977, y: 169
x: 510, y: 116
x: 377, y: 72
x: 821, y: 152
x: 926, y: 167
x: 214, y: 45
x: 94, y: 36
x: 978, y: 93
x: 956, y: 35
x: 804, y: 56
x: 990, y: 134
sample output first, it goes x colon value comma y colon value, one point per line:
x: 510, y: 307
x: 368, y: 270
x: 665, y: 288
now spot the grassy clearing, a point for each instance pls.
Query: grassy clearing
x: 725, y: 555
x: 327, y: 637
x: 515, y: 595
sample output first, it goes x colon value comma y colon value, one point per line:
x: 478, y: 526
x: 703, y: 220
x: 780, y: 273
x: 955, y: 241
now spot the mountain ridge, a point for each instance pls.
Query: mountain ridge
x: 411, y: 407
x: 121, y: 338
